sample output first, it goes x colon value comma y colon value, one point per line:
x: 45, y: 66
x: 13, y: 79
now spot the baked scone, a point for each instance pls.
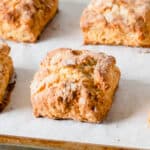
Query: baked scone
x: 117, y: 22
x: 6, y: 71
x: 24, y: 20
x: 74, y: 84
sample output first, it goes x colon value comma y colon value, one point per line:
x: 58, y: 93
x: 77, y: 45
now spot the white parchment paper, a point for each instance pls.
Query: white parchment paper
x: 126, y: 124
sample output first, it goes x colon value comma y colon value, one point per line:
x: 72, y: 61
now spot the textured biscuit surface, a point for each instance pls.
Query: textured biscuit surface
x: 117, y: 22
x: 74, y: 84
x: 24, y: 20
x: 6, y: 70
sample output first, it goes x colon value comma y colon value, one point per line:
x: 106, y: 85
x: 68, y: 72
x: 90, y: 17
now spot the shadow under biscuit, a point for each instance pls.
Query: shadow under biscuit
x: 65, y: 23
x: 20, y: 97
x: 9, y: 90
x: 131, y: 97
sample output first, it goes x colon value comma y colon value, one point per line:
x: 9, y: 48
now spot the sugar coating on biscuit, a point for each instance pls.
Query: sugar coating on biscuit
x: 117, y: 22
x: 24, y: 20
x: 74, y: 84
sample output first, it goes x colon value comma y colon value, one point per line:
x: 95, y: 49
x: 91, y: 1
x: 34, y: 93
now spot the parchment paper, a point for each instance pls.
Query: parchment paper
x: 126, y: 124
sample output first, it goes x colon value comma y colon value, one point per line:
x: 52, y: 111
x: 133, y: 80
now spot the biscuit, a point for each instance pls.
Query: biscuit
x: 74, y: 84
x: 6, y: 70
x: 117, y: 22
x: 24, y: 20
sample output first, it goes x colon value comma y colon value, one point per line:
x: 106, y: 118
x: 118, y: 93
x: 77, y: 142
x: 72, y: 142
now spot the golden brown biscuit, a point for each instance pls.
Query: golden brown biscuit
x: 6, y: 70
x: 24, y: 20
x: 75, y: 85
x: 117, y: 22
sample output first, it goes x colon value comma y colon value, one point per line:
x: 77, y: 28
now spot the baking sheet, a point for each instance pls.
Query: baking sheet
x: 126, y: 124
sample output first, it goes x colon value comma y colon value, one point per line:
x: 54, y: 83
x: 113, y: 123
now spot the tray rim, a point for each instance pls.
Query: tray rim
x: 44, y: 143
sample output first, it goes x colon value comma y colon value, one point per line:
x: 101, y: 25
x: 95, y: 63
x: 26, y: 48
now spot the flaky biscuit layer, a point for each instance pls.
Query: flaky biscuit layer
x: 117, y: 22
x: 6, y: 70
x: 24, y: 20
x: 75, y: 85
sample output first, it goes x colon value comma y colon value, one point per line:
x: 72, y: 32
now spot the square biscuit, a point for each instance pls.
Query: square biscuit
x: 6, y: 71
x: 24, y: 20
x: 117, y: 22
x: 75, y: 84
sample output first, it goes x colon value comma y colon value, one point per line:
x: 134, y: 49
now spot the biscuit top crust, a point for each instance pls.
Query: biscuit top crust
x: 17, y: 11
x: 4, y: 49
x: 131, y: 14
x: 73, y: 74
x: 4, y: 59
